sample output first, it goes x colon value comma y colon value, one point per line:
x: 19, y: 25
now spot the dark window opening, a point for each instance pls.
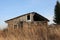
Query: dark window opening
x: 15, y: 26
x: 28, y: 17
x: 21, y: 24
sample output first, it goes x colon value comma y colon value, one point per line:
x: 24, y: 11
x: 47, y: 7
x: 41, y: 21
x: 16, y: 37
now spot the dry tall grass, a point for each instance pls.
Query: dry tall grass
x: 54, y: 32
x: 32, y: 31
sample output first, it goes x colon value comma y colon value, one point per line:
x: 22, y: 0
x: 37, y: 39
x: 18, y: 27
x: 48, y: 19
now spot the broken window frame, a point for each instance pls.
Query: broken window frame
x: 20, y: 25
x: 28, y: 17
x: 15, y: 26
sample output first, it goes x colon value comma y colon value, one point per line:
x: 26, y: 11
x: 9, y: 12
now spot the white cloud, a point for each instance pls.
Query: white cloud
x: 2, y: 25
x: 50, y: 19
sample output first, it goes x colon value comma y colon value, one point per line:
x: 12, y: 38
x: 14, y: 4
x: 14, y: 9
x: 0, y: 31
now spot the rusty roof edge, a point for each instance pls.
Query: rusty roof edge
x: 18, y: 16
x: 26, y: 14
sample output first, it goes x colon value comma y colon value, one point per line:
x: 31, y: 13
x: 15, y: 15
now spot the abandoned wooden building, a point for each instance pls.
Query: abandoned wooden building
x: 29, y: 17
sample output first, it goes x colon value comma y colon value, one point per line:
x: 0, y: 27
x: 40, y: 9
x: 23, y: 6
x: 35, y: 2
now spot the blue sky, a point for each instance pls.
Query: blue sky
x: 12, y: 8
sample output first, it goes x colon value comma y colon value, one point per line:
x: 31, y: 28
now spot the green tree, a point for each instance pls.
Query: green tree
x: 57, y: 13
